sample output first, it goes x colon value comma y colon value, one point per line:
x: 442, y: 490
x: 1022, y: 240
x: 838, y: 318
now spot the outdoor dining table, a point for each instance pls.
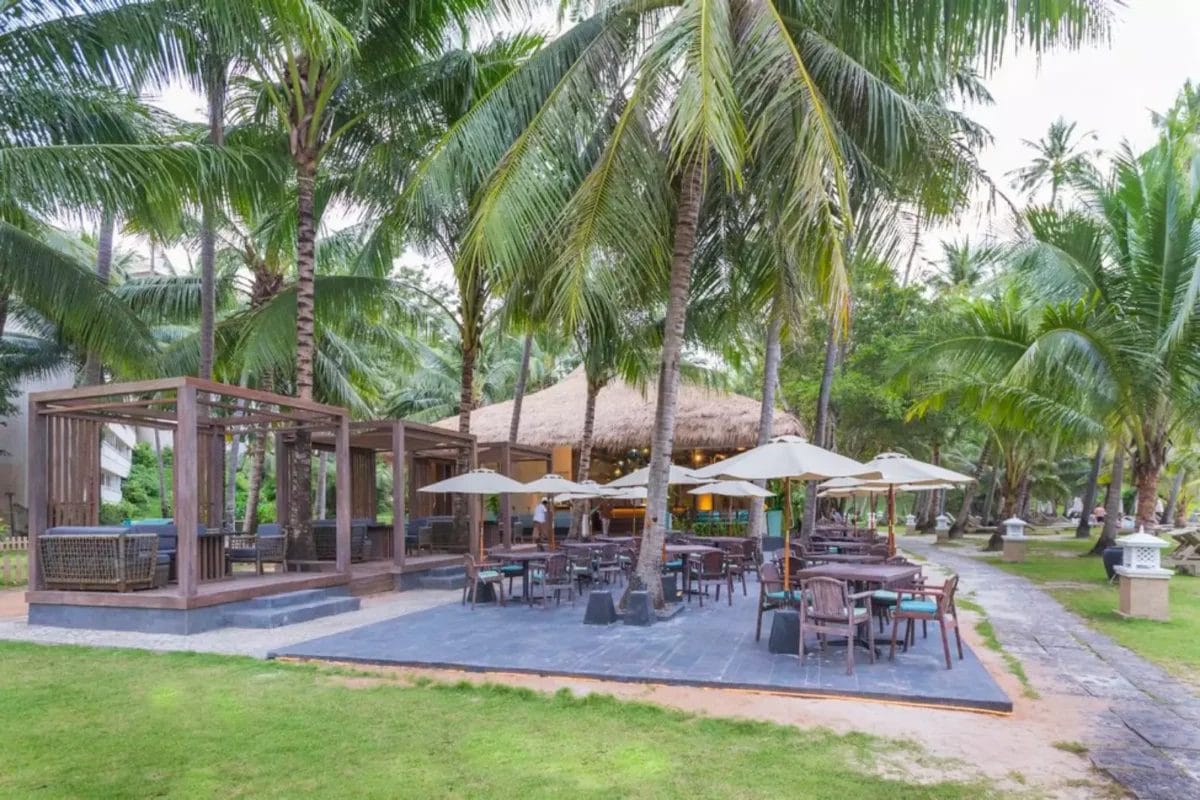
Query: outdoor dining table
x: 883, y: 576
x: 522, y: 557
x: 845, y: 558
x: 614, y: 539
x: 683, y: 551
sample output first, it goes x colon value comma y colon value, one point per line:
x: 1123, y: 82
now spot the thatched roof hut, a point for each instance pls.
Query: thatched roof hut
x: 553, y: 417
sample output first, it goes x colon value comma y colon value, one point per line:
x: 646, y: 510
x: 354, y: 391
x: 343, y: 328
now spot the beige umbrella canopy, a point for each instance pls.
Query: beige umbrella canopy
x: 868, y: 488
x: 897, y: 470
x: 554, y: 484
x: 732, y: 489
x: 477, y: 481
x: 787, y: 457
x: 679, y: 476
x: 630, y: 493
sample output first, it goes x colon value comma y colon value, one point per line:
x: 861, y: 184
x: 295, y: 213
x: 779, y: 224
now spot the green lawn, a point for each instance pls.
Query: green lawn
x: 16, y: 563
x: 1171, y: 644
x: 80, y: 722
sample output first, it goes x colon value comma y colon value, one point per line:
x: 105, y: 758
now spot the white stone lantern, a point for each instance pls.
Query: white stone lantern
x: 1014, y: 540
x: 910, y: 522
x: 1014, y: 528
x: 1141, y: 554
x: 1142, y: 581
x: 941, y: 527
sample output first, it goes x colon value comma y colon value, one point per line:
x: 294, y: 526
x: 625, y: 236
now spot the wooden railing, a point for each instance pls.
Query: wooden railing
x: 14, y: 561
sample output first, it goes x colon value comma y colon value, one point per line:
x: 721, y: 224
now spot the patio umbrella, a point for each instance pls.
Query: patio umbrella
x: 552, y: 484
x: 732, y: 489
x: 896, y: 470
x: 788, y: 457
x: 678, y: 476
x: 476, y: 482
x: 852, y: 487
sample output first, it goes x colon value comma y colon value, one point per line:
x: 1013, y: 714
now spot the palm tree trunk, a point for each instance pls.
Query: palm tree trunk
x: 1084, y: 529
x: 215, y: 85
x: 300, y: 505
x: 970, y: 491
x: 163, y: 507
x: 93, y: 370
x: 1147, y: 464
x: 1008, y: 508
x: 766, y: 413
x: 819, y: 429
x: 916, y: 245
x: 258, y: 455
x: 662, y: 443
x: 578, y: 507
x: 519, y: 393
x: 466, y: 403
x: 1112, y: 505
x: 1173, y: 497
x: 991, y: 496
x: 322, y: 478
x: 1178, y: 511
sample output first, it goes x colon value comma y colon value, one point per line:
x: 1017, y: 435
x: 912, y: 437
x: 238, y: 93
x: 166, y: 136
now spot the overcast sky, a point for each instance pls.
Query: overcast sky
x: 1109, y: 89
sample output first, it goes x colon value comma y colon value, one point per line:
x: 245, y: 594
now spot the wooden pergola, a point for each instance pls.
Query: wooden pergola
x: 64, y: 461
x: 408, y: 445
x: 503, y: 457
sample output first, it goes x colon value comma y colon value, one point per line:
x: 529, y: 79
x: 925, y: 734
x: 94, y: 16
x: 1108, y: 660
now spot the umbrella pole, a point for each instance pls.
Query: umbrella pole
x: 891, y: 509
x: 787, y: 536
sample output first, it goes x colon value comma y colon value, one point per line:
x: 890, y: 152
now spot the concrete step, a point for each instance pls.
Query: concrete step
x: 290, y: 598
x: 277, y: 616
x: 455, y: 580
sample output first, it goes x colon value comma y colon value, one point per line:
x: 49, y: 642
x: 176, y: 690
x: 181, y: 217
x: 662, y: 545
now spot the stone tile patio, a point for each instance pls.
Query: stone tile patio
x: 1149, y: 740
x: 710, y: 646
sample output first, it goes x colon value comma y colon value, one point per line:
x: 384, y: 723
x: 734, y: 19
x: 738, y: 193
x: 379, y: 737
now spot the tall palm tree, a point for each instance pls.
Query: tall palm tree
x: 722, y: 93
x: 1059, y: 160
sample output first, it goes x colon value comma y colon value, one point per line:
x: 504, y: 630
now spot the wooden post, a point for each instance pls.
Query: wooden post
x: 283, y: 483
x: 506, y: 499
x: 343, y: 491
x: 399, y: 498
x: 187, y: 511
x: 36, y: 480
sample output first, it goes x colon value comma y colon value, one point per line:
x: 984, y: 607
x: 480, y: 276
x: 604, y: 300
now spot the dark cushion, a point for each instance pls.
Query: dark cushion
x: 242, y: 553
x: 270, y: 529
x: 83, y: 530
x: 163, y: 558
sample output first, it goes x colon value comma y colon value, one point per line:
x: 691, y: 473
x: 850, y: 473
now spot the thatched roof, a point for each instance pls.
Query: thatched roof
x: 625, y: 417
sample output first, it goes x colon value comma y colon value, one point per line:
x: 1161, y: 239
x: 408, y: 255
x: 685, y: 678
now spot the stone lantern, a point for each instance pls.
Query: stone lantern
x: 1014, y: 540
x: 1142, y: 582
x: 941, y: 527
x: 910, y: 524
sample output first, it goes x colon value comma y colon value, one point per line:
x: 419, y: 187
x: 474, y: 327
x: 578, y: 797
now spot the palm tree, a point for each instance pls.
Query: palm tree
x: 735, y: 94
x: 1059, y: 160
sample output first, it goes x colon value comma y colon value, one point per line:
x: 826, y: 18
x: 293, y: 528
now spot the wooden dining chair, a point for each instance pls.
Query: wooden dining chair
x: 552, y: 577
x: 736, y: 564
x: 831, y: 609
x: 708, y: 568
x: 481, y: 572
x: 771, y: 594
x: 929, y: 604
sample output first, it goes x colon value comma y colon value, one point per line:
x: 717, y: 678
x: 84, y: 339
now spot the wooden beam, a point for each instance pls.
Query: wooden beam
x: 36, y: 480
x: 399, y: 506
x: 109, y: 390
x: 343, y: 490
x: 259, y: 396
x: 187, y: 511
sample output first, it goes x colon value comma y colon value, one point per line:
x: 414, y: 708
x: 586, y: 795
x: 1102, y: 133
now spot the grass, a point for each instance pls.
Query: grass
x: 1078, y: 748
x: 16, y: 563
x: 988, y: 634
x: 1087, y: 592
x: 88, y: 723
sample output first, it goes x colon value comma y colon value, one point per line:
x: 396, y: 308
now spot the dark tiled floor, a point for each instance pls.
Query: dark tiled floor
x: 710, y: 646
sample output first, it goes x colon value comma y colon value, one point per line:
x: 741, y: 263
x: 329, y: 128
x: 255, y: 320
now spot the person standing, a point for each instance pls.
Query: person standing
x: 540, y: 515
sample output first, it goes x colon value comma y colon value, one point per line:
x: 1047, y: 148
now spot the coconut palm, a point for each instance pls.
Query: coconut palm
x: 720, y: 94
x: 1059, y: 160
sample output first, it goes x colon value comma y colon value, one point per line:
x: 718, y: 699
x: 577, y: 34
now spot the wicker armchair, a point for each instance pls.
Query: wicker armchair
x: 98, y: 559
x: 268, y: 546
x: 831, y: 609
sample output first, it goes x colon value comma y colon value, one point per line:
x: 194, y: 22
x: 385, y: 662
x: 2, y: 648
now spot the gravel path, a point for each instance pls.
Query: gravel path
x: 1149, y: 738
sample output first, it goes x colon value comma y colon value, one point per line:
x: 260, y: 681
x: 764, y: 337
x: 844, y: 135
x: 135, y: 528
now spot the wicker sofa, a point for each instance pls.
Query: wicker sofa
x: 98, y: 558
x: 325, y: 539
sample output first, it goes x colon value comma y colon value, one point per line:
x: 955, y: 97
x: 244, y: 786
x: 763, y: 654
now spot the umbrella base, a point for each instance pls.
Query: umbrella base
x: 785, y: 632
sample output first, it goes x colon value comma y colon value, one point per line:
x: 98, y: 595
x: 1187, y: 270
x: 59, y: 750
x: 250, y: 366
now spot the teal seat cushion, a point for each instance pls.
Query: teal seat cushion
x: 884, y: 596
x: 538, y: 574
x: 781, y: 595
x: 674, y: 564
x: 918, y: 606
x: 488, y: 574
x: 512, y: 569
